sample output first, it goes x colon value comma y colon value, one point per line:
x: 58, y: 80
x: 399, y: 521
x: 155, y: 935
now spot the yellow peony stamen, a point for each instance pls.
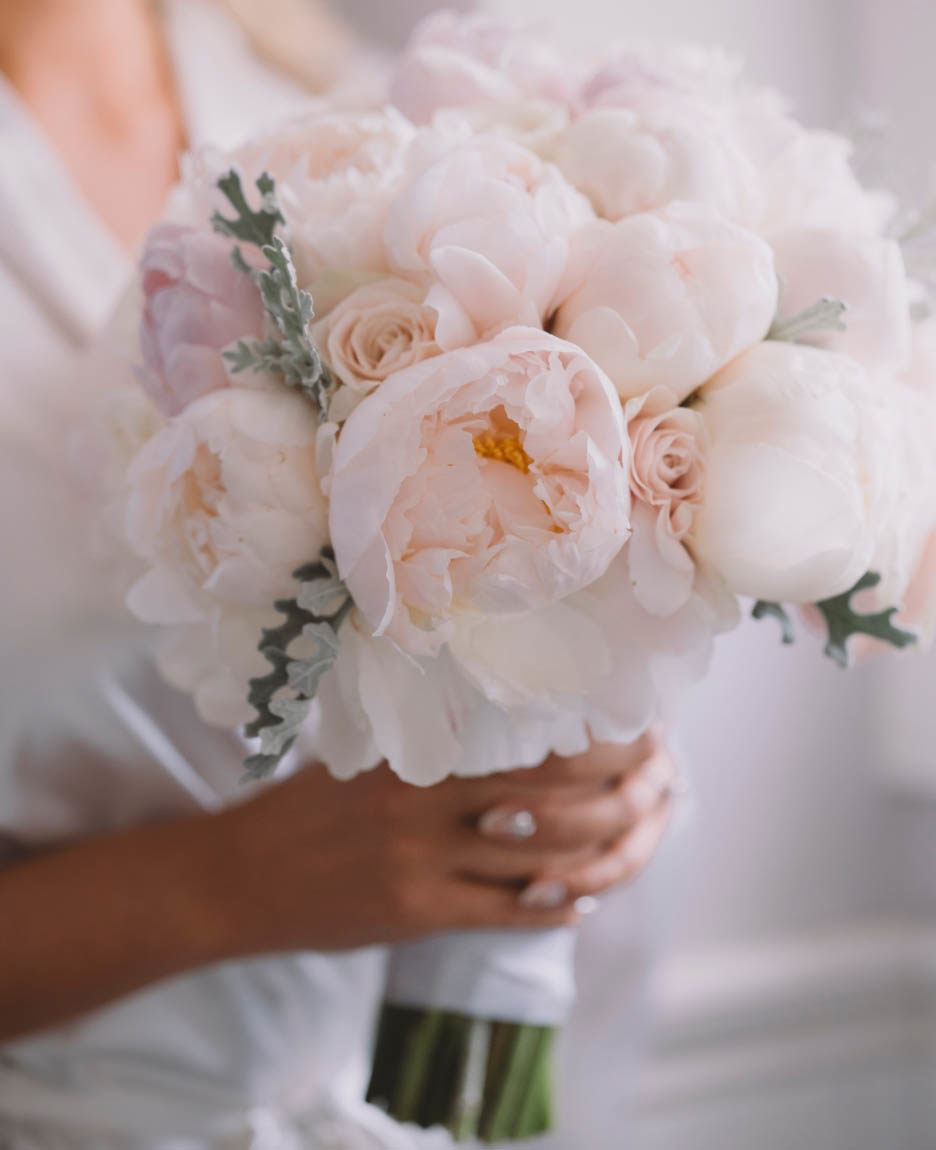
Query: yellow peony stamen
x: 506, y: 449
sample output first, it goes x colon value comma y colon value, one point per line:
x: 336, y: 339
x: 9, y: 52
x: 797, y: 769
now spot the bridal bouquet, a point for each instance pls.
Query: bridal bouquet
x: 480, y: 411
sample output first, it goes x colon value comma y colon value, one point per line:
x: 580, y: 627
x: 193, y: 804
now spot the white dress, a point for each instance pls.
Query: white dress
x: 260, y: 1054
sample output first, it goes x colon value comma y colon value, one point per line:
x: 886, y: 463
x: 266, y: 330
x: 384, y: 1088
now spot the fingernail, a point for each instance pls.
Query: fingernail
x: 504, y: 824
x: 547, y: 895
x: 586, y: 905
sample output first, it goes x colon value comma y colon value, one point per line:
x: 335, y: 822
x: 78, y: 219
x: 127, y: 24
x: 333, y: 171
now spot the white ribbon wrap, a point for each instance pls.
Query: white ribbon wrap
x: 511, y: 976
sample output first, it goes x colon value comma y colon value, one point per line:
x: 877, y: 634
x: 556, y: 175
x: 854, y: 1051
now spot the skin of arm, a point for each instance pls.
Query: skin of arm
x: 312, y: 863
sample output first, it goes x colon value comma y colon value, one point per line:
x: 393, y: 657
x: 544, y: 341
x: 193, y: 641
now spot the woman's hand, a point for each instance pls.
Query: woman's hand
x: 326, y: 865
x: 315, y: 864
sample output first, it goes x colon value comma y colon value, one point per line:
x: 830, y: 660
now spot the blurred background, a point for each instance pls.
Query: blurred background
x: 796, y: 1004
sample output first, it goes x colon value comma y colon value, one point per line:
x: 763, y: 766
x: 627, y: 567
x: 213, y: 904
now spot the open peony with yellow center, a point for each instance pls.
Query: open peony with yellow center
x: 489, y: 481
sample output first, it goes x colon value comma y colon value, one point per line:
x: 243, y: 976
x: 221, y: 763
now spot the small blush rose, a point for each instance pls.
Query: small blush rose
x: 668, y: 447
x: 195, y: 304
x: 379, y: 329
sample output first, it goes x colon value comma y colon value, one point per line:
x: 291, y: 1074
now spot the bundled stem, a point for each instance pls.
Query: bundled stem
x: 479, y: 1078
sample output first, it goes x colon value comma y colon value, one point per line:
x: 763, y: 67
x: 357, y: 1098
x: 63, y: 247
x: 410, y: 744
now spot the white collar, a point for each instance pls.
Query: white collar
x: 50, y: 236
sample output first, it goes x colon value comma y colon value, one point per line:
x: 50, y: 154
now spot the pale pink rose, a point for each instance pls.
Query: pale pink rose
x: 867, y: 274
x: 195, y: 304
x: 379, y: 329
x: 487, y: 226
x: 799, y: 472
x: 668, y: 298
x: 488, y: 481
x: 225, y: 505
x: 668, y: 449
x: 457, y: 61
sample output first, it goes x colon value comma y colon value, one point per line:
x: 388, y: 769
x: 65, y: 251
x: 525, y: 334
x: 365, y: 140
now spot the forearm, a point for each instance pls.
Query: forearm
x: 89, y: 923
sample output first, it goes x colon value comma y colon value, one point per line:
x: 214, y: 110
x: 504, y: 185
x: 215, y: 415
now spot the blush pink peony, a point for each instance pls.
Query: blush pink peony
x: 195, y: 304
x: 225, y: 504
x: 488, y: 481
x: 629, y: 160
x: 454, y: 61
x: 335, y: 173
x: 486, y: 226
x: 668, y: 298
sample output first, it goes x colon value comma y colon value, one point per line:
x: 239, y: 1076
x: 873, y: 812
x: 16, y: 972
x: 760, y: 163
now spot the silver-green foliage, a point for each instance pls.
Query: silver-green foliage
x: 288, y: 351
x: 824, y: 315
x: 283, y: 697
x: 843, y: 621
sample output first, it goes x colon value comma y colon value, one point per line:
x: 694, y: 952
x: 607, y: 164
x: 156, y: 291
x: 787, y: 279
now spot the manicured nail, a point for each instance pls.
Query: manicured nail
x: 547, y: 895
x: 586, y: 905
x: 504, y: 824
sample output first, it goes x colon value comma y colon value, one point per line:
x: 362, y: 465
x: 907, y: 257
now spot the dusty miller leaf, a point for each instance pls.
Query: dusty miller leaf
x: 765, y: 610
x: 322, y: 597
x: 282, y: 697
x: 304, y: 674
x: 843, y: 621
x: 252, y: 227
x: 290, y: 353
x: 825, y: 315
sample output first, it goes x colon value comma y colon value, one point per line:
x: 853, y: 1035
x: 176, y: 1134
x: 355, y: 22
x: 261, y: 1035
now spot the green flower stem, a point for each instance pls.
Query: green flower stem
x: 479, y: 1078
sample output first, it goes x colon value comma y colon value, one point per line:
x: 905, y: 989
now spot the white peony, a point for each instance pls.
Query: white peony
x: 668, y: 298
x: 867, y: 273
x: 597, y: 666
x: 225, y: 505
x: 629, y: 160
x: 795, y: 463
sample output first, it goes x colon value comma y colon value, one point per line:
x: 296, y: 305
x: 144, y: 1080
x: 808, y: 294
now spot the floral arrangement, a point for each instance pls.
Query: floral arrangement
x: 483, y: 410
